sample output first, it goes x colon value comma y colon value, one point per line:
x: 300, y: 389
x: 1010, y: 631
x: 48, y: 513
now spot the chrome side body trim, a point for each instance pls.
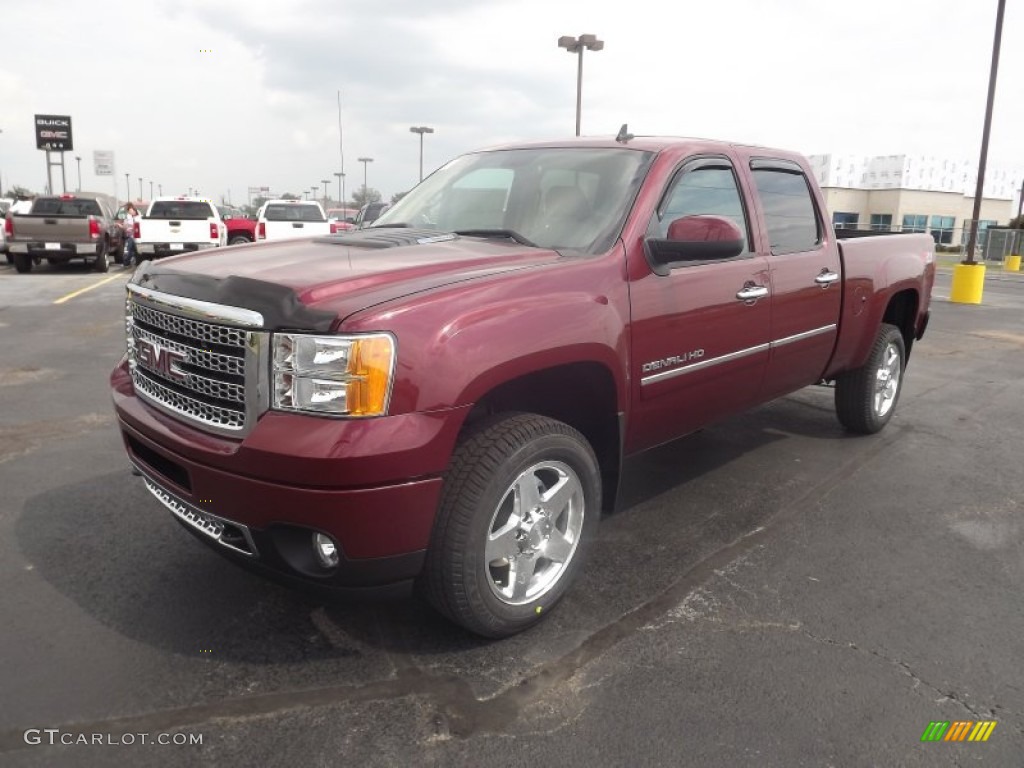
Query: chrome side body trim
x: 663, y: 375
x: 804, y: 335
x: 703, y: 364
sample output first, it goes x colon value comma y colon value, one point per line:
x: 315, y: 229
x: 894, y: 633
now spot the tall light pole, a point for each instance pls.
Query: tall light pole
x: 160, y: 189
x: 421, y: 129
x: 128, y: 188
x: 341, y: 195
x: 151, y: 189
x: 982, y: 162
x: 78, y: 160
x: 325, y: 182
x: 576, y: 45
x: 140, y: 187
x: 365, y: 161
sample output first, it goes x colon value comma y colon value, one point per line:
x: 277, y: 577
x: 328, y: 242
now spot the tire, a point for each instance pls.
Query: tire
x: 119, y: 254
x: 482, y: 539
x: 22, y: 263
x: 239, y: 240
x: 102, y: 261
x: 866, y: 398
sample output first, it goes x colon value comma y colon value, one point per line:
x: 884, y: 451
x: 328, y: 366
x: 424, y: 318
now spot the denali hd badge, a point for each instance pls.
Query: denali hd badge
x: 669, y: 362
x: 160, y: 360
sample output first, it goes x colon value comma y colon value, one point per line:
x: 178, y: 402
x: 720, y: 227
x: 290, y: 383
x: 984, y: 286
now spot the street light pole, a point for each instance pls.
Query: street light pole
x: 78, y: 160
x: 421, y: 129
x: 325, y: 182
x: 150, y: 190
x: 140, y: 187
x: 341, y: 197
x: 577, y: 45
x: 365, y: 161
x: 128, y: 188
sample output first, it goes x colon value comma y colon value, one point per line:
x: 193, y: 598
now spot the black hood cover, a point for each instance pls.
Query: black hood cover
x: 280, y: 307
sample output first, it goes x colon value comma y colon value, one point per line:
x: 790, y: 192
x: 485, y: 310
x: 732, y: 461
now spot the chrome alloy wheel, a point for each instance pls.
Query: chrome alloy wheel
x: 887, y: 380
x: 534, y: 532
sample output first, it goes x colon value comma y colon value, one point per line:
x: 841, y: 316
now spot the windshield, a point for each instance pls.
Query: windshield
x: 293, y: 212
x: 560, y: 198
x: 179, y: 209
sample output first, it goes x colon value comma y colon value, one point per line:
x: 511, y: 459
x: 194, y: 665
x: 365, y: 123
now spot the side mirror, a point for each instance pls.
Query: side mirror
x: 695, y: 239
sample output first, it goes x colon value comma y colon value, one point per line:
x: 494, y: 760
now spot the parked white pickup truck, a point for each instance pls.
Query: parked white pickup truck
x: 178, y: 224
x: 289, y: 219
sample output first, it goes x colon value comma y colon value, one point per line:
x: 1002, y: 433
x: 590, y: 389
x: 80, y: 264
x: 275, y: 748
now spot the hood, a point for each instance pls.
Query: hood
x: 336, y: 275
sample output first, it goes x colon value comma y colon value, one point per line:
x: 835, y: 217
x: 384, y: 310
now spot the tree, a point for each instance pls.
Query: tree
x: 363, y: 196
x: 398, y: 196
x: 290, y: 196
x: 18, y: 191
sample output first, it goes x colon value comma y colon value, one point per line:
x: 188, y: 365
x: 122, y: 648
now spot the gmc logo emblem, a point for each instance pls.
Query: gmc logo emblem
x: 161, y: 360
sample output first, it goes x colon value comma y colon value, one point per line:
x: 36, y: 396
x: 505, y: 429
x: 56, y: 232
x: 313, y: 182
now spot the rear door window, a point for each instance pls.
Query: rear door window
x: 789, y: 211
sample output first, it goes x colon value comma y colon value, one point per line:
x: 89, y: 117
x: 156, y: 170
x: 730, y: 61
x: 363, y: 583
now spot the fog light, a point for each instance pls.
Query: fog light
x: 326, y: 550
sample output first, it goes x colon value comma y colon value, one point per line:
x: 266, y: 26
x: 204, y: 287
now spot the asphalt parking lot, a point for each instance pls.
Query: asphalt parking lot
x: 770, y: 592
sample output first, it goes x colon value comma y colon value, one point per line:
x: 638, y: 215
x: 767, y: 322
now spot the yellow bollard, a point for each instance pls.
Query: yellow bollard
x: 968, y: 283
x: 1012, y: 264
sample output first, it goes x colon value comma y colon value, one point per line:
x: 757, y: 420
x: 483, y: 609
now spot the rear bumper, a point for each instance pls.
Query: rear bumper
x: 66, y: 250
x: 165, y: 249
x: 372, y: 486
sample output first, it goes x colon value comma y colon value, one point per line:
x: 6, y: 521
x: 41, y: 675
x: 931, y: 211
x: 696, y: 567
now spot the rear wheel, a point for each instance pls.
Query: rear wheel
x: 866, y: 398
x: 22, y: 262
x: 239, y: 240
x: 102, y: 262
x: 519, y: 506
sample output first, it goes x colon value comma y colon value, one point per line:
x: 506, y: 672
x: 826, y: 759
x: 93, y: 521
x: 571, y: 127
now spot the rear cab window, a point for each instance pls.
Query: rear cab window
x: 55, y: 206
x: 293, y: 212
x: 180, y: 210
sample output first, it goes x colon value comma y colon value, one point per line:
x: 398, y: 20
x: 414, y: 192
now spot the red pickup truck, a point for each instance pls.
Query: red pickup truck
x: 446, y: 397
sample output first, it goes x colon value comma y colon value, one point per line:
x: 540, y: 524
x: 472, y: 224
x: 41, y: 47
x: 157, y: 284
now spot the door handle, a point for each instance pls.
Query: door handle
x: 826, y: 278
x: 752, y: 292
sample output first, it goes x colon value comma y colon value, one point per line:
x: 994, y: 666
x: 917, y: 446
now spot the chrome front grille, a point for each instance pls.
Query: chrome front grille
x: 186, y: 360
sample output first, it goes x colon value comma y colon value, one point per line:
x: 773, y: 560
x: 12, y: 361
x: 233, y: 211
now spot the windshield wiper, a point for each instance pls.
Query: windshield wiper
x: 509, y: 234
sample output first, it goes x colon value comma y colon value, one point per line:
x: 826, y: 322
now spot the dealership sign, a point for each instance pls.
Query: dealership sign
x: 103, y: 163
x: 53, y: 133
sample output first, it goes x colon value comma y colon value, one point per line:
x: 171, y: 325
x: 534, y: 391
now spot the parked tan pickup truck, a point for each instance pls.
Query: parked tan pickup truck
x: 60, y: 228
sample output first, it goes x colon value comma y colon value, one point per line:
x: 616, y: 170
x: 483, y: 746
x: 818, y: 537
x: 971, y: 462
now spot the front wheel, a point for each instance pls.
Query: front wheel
x: 866, y: 398
x: 520, y: 503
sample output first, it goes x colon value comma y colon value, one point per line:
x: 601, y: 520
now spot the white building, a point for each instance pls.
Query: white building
x: 915, y: 192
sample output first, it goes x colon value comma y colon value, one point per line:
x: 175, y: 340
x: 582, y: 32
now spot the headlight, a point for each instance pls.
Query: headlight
x: 335, y: 375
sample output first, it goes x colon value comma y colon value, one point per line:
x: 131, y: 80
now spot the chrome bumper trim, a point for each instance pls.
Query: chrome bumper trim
x: 212, y: 526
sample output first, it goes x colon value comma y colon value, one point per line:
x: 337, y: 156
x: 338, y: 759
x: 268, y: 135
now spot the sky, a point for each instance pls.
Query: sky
x: 223, y: 95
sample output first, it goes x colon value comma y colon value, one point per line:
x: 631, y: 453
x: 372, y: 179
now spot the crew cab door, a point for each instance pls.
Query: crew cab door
x: 805, y: 277
x: 699, y: 331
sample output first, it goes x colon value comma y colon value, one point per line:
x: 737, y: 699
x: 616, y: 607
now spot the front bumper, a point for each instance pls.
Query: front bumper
x: 372, y: 485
